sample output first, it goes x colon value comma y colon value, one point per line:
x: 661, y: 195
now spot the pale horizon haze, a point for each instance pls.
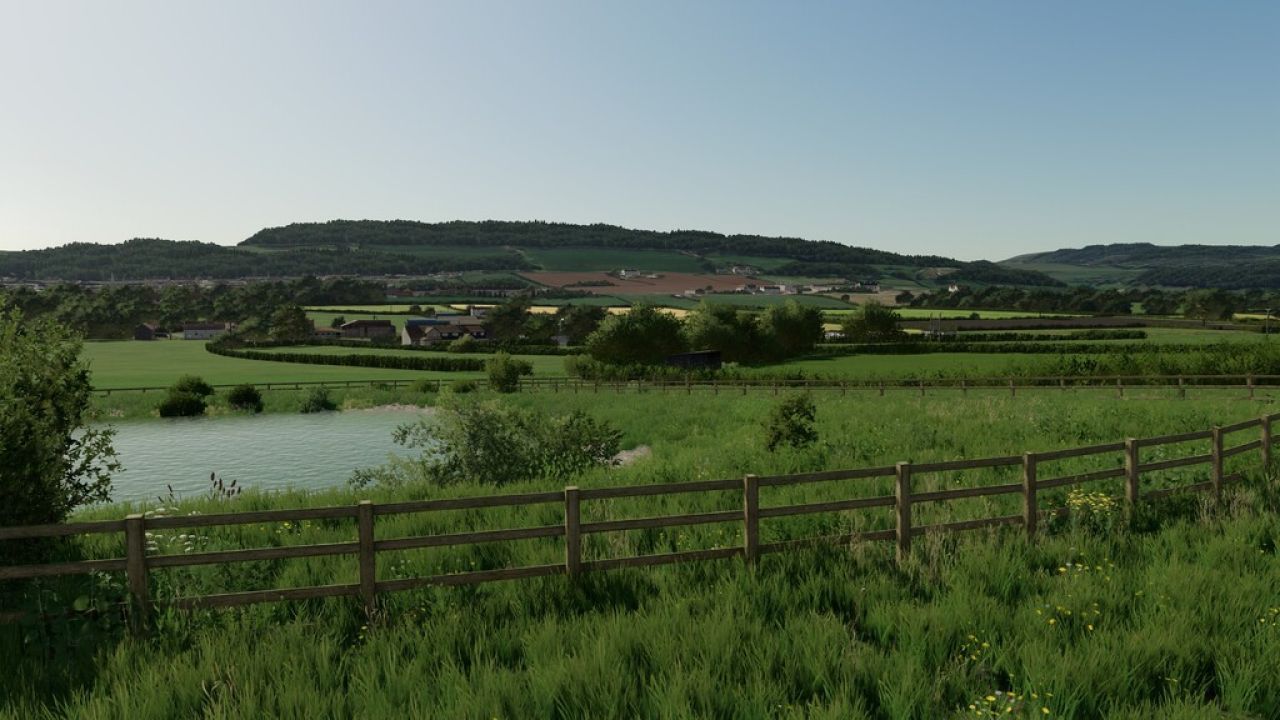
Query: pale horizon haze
x: 974, y: 130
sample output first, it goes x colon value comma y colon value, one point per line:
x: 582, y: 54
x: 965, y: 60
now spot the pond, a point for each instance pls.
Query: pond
x: 260, y: 452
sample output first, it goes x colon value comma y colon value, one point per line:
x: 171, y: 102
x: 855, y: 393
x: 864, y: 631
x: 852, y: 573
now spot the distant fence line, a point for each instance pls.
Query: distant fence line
x: 137, y: 564
x: 1114, y: 383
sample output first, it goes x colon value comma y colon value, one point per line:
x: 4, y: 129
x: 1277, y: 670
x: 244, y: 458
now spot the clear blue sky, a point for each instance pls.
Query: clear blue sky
x: 972, y: 129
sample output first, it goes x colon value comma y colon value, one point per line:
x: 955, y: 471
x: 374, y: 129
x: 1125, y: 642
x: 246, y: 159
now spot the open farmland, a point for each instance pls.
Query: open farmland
x: 580, y: 259
x: 669, y: 282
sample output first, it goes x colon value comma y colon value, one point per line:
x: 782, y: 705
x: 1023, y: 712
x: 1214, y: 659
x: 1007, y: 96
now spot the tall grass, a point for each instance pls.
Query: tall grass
x: 1172, y: 616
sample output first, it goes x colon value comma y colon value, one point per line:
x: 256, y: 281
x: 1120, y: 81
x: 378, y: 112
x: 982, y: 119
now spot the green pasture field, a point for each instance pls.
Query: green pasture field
x: 764, y: 263
x: 443, y: 251
x: 128, y: 363
x: 874, y: 367
x: 583, y: 259
x: 1174, y: 616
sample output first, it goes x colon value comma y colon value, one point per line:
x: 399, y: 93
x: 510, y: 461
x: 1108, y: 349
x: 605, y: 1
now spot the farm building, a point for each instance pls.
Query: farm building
x: 205, y: 330
x: 444, y: 328
x: 325, y: 333
x: 149, y: 331
x: 699, y: 360
x: 369, y: 329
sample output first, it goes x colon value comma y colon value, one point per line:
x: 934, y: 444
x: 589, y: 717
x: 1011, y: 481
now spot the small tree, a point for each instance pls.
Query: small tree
x: 290, y: 324
x: 790, y: 329
x: 337, y: 322
x: 644, y: 336
x: 51, y: 460
x: 872, y: 322
x: 505, y: 372
x: 791, y: 423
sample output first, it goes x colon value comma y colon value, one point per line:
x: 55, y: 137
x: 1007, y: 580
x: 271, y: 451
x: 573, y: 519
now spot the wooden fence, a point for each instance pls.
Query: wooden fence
x: 1117, y: 384
x: 365, y: 547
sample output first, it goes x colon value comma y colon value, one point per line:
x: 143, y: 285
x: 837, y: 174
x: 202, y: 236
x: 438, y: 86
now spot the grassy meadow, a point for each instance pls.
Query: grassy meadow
x: 1174, y: 615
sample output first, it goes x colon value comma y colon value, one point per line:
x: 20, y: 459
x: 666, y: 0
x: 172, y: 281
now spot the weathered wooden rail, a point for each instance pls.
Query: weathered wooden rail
x: 137, y: 563
x: 1117, y: 384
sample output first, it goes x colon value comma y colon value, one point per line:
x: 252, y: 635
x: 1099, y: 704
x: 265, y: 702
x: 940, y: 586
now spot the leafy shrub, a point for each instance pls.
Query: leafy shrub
x: 497, y: 444
x: 245, y: 397
x: 181, y: 404
x: 505, y: 372
x: 51, y: 462
x: 462, y: 387
x: 318, y: 401
x: 424, y: 385
x: 466, y: 343
x: 791, y: 423
x: 194, y: 385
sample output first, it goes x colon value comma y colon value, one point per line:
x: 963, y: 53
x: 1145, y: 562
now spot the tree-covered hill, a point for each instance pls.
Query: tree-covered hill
x: 1143, y: 264
x: 142, y: 259
x: 402, y: 247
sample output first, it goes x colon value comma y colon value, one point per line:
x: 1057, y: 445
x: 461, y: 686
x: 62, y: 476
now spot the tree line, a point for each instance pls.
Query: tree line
x: 113, y: 312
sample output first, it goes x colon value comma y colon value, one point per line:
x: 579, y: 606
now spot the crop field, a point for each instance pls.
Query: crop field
x: 1174, y: 615
x: 579, y: 259
x: 666, y: 284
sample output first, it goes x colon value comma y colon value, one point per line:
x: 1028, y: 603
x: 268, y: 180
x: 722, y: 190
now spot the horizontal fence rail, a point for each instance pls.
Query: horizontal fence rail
x: 138, y: 563
x: 1117, y: 384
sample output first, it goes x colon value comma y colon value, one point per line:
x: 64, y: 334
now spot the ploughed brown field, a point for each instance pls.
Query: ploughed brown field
x: 667, y: 282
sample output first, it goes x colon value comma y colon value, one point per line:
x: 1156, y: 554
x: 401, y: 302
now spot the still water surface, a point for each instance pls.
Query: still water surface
x: 264, y: 452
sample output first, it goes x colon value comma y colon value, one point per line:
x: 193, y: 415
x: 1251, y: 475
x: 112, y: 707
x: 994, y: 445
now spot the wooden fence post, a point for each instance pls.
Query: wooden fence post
x: 1182, y: 387
x: 964, y: 388
x: 1030, y: 508
x: 368, y: 559
x: 572, y: 531
x: 750, y: 519
x: 1062, y: 383
x: 1013, y: 390
x: 1131, y: 474
x: 1266, y: 442
x: 921, y: 388
x: 1119, y: 387
x: 902, y: 497
x: 1250, y: 386
x: 882, y: 389
x: 135, y: 543
x: 1215, y: 453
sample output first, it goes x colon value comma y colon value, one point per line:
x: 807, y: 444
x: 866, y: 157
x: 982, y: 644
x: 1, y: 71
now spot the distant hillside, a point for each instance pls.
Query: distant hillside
x: 367, y: 247
x: 149, y: 259
x: 1230, y: 267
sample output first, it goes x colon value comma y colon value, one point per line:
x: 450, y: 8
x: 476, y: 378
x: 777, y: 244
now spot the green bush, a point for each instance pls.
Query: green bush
x: 466, y: 343
x: 424, y: 385
x: 181, y: 404
x: 505, y: 372
x: 318, y: 401
x: 791, y: 423
x: 193, y: 385
x: 462, y: 387
x: 245, y: 397
x: 51, y: 460
x: 495, y: 443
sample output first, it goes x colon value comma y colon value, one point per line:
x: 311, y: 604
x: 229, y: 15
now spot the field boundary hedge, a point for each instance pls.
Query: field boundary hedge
x: 393, y: 362
x: 137, y: 564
